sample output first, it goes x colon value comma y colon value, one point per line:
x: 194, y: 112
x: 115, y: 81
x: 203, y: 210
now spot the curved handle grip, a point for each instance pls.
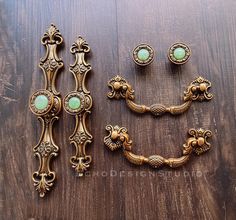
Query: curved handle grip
x: 197, y: 90
x: 79, y: 103
x: 46, y: 105
x: 118, y: 137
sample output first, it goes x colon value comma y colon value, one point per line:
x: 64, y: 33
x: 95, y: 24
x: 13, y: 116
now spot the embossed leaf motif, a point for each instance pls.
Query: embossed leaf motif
x: 50, y: 64
x: 80, y: 68
x: 80, y: 137
x: 114, y: 140
x: 80, y: 164
x: 81, y: 167
x: 83, y: 68
x: 45, y: 149
x: 118, y: 87
x: 80, y: 46
x: 52, y: 30
x: 52, y: 36
x: 111, y: 144
x: 196, y: 143
x: 197, y: 90
x: 43, y: 185
x: 201, y: 136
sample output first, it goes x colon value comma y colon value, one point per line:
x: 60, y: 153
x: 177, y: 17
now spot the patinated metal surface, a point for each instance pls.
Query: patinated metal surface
x: 46, y: 148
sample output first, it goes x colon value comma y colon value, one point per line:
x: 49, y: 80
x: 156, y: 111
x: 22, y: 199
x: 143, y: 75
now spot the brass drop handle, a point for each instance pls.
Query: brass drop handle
x: 197, y: 90
x: 79, y: 104
x: 46, y: 105
x: 118, y: 137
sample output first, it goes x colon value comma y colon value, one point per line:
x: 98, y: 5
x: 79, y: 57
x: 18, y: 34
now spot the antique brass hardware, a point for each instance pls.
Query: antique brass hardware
x: 46, y: 105
x: 179, y: 53
x: 143, y: 54
x: 118, y: 137
x: 197, y: 90
x: 79, y: 103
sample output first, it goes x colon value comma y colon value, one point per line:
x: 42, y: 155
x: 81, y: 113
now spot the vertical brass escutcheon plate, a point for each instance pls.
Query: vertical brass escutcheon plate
x: 46, y: 105
x: 79, y: 103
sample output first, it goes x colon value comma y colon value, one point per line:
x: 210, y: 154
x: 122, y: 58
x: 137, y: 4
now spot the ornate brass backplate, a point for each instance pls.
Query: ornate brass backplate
x: 46, y: 105
x: 118, y: 137
x: 79, y: 103
x: 197, y: 90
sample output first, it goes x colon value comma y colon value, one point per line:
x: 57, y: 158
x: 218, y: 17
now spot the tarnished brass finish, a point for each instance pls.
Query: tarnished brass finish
x: 185, y: 59
x: 147, y: 48
x: 197, y: 90
x: 118, y: 137
x: 46, y: 148
x: 81, y: 136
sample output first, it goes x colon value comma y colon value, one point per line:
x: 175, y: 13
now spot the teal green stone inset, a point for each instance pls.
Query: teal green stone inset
x: 179, y: 53
x: 41, y: 102
x: 143, y: 54
x: 74, y: 103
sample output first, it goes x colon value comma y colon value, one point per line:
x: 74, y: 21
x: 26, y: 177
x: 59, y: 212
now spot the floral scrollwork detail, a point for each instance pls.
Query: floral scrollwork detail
x: 120, y: 88
x: 43, y: 182
x: 50, y: 65
x: 197, y: 90
x: 80, y: 164
x: 46, y: 105
x: 80, y: 137
x: 118, y: 137
x: 45, y: 149
x: 80, y: 46
x: 83, y: 100
x: 52, y: 36
x: 200, y: 143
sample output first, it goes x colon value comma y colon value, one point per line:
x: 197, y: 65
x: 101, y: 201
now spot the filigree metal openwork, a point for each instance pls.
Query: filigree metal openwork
x: 46, y: 104
x: 79, y: 103
x: 197, y: 90
x: 118, y: 137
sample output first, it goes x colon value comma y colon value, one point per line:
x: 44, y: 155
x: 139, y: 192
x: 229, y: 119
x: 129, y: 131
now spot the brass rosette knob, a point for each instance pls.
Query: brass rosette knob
x: 197, y: 143
x: 46, y: 105
x: 198, y: 90
x: 179, y: 53
x: 143, y: 54
x: 79, y: 104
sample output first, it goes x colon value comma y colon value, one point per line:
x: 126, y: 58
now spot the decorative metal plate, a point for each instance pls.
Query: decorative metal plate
x: 46, y: 104
x: 79, y: 103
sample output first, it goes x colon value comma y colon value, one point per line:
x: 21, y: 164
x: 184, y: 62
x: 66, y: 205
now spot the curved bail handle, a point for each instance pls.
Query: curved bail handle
x: 197, y: 90
x: 118, y: 137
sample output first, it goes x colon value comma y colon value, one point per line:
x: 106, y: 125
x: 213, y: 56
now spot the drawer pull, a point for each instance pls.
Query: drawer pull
x: 46, y: 105
x: 118, y: 137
